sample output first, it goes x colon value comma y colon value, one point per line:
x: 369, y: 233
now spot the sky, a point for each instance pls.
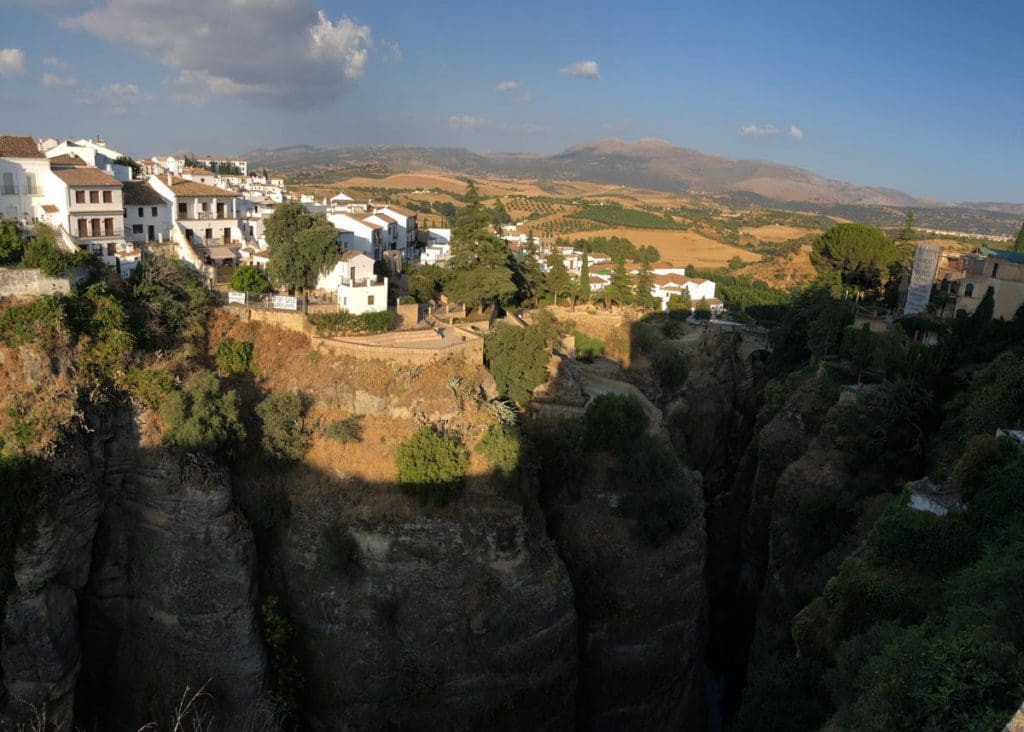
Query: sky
x: 925, y: 96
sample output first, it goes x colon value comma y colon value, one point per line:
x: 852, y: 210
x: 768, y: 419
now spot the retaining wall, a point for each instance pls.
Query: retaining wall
x: 30, y: 282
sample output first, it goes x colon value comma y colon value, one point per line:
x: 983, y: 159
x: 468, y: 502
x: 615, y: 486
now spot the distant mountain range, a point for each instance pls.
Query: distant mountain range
x: 651, y: 164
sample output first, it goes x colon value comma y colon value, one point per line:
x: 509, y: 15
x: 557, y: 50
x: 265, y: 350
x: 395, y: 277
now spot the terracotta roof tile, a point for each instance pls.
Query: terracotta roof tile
x: 86, y: 176
x: 139, y: 193
x: 67, y: 159
x: 18, y: 146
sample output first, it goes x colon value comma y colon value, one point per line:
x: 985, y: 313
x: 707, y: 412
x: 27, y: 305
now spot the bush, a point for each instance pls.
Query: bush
x: 517, y: 359
x: 170, y: 301
x: 669, y: 366
x: 655, y: 492
x: 588, y: 347
x: 431, y: 466
x: 346, y: 430
x: 334, y: 324
x: 201, y: 419
x: 614, y: 422
x: 233, y: 356
x: 39, y: 320
x: 149, y: 386
x: 502, y: 447
x: 281, y: 415
x: 249, y: 279
x: 12, y: 245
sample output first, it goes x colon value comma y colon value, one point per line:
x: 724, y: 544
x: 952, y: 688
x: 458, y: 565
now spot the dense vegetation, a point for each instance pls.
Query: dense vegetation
x: 336, y: 324
x: 614, y: 214
x: 517, y: 358
x: 431, y: 465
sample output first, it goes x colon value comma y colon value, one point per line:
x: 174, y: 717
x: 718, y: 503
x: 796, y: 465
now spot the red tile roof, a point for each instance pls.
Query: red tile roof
x: 86, y: 176
x: 18, y: 146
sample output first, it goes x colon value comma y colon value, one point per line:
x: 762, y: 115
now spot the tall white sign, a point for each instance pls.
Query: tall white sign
x: 922, y: 275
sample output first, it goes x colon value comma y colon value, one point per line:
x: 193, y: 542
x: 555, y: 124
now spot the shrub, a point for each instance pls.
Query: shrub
x: 149, y: 386
x: 431, y: 466
x: 249, y: 279
x: 335, y: 324
x: 614, y: 422
x: 341, y: 550
x: 346, y: 430
x: 12, y: 245
x: 655, y: 491
x: 588, y: 347
x: 199, y: 418
x: 233, y: 356
x: 279, y: 635
x: 170, y: 300
x: 502, y: 447
x: 517, y: 359
x: 38, y: 320
x: 281, y: 416
x: 669, y: 365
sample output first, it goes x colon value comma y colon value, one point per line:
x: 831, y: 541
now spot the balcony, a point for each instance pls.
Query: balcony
x: 208, y: 216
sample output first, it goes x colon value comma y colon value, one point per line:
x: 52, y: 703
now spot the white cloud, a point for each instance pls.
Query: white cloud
x: 12, y: 61
x: 758, y: 130
x: 392, y: 51
x: 52, y: 80
x: 114, y: 98
x: 280, y: 53
x: 521, y: 99
x: 468, y: 123
x: 583, y: 69
x: 796, y: 133
x: 504, y: 86
x: 618, y: 128
x: 56, y: 63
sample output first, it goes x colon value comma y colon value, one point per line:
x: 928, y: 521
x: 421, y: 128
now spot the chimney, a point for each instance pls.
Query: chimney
x: 168, y: 179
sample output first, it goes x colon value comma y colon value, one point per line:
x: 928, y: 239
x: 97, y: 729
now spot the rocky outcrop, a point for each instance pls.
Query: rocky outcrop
x: 435, y: 618
x: 643, y: 622
x: 41, y: 654
x: 170, y: 602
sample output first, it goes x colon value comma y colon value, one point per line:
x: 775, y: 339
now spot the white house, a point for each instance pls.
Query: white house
x: 407, y: 226
x: 215, y: 163
x: 22, y: 170
x: 359, y: 290
x: 666, y: 285
x: 367, y: 234
x: 209, y: 216
x: 147, y: 215
x: 94, y: 153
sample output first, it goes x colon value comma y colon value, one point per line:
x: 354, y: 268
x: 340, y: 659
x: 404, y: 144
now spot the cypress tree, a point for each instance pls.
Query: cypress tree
x: 583, y: 285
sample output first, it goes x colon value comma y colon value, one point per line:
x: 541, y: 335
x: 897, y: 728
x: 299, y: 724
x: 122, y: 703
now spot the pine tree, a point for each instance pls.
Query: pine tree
x: 908, y: 226
x: 1018, y: 244
x: 618, y: 290
x: 482, y: 263
x: 583, y: 283
x: 644, y: 285
x: 558, y: 280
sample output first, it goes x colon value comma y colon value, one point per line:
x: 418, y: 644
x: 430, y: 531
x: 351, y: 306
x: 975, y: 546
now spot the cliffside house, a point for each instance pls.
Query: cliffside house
x: 22, y: 169
x: 359, y: 289
x: 147, y: 215
x: 209, y: 217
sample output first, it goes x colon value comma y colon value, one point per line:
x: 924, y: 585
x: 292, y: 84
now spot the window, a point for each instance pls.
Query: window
x: 9, y: 188
x: 182, y: 209
x: 969, y: 290
x: 94, y: 196
x: 79, y: 196
x: 31, y: 178
x: 94, y: 226
x: 136, y: 228
x: 369, y: 300
x: 205, y: 207
x: 83, y: 227
x: 141, y: 214
x: 108, y: 227
x: 152, y: 211
x: 108, y: 196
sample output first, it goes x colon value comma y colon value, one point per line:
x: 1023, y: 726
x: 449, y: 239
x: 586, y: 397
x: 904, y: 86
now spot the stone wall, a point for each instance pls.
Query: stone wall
x: 30, y: 282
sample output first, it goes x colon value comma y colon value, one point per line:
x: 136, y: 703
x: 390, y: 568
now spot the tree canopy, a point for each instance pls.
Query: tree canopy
x: 302, y: 246
x: 1018, y: 243
x: 249, y: 279
x: 517, y: 360
x: 481, y: 262
x: 857, y: 250
x: 11, y: 244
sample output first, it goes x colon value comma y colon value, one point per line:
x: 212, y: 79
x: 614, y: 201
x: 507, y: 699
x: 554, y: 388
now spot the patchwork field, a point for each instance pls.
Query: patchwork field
x: 680, y: 247
x: 777, y: 233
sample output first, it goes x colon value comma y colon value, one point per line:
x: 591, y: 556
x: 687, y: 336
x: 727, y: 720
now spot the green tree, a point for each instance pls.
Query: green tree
x: 680, y: 302
x: 432, y: 466
x: 517, y: 359
x: 501, y: 445
x: 859, y: 252
x: 614, y: 422
x: 645, y: 286
x: 41, y: 252
x: 249, y: 279
x: 426, y: 281
x: 302, y: 246
x: 482, y: 265
x: 558, y: 280
x: 128, y: 162
x: 12, y: 245
x: 582, y: 290
x: 858, y: 345
x: 199, y: 418
x: 907, y: 234
x: 618, y: 290
x: 281, y: 416
x: 1018, y: 243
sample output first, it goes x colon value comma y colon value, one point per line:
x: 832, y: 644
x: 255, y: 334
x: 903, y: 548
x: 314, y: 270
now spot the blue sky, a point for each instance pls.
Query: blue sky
x: 926, y: 97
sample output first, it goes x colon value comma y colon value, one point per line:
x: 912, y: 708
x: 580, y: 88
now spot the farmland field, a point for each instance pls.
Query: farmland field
x: 680, y: 247
x: 775, y: 233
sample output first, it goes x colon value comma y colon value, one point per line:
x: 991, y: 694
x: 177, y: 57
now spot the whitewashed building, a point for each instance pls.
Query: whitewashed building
x: 359, y: 290
x: 147, y: 215
x: 22, y: 170
x: 208, y: 216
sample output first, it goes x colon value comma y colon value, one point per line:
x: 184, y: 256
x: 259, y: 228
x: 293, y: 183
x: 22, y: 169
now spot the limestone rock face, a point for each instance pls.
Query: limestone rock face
x: 170, y: 602
x: 643, y: 618
x: 458, y: 617
x: 41, y: 656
